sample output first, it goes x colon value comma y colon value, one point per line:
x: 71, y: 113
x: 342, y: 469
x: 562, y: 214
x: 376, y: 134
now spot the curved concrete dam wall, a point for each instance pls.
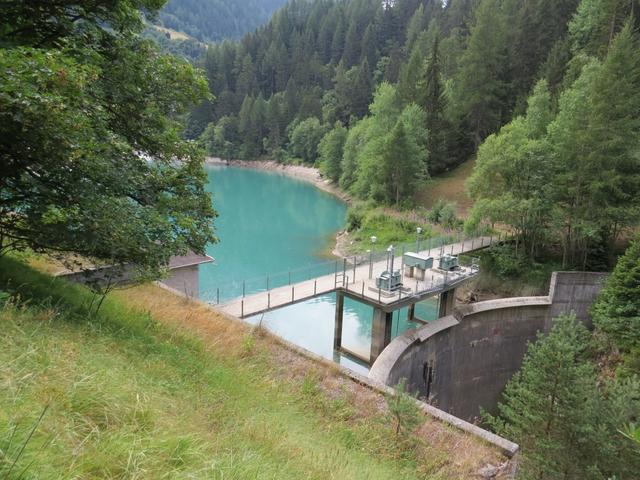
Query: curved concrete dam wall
x: 462, y: 362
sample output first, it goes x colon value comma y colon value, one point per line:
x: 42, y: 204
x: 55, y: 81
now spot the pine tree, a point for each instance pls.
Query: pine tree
x: 369, y: 47
x: 338, y: 40
x: 617, y: 311
x: 480, y: 90
x: 536, y: 26
x: 325, y: 35
x: 614, y: 129
x: 400, y: 166
x: 249, y: 128
x: 510, y: 181
x: 410, y: 75
x: 434, y: 104
x: 597, y: 22
x: 274, y: 123
x: 246, y: 82
x: 353, y: 92
x: 416, y: 25
x: 351, y: 46
x: 392, y: 71
x: 550, y: 406
x: 362, y: 92
x: 370, y: 181
x: 596, y: 139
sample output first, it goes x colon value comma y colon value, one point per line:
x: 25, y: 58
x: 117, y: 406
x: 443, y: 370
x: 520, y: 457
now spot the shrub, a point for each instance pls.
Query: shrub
x: 403, y: 410
x: 4, y: 298
x: 355, y: 217
x: 444, y: 213
x: 503, y: 261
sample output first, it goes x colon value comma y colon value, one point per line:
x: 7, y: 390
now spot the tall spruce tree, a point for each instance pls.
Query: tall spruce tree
x: 410, y: 75
x: 596, y: 139
x: 550, y: 406
x: 597, y: 22
x: 481, y: 89
x: 617, y: 311
x: 434, y: 104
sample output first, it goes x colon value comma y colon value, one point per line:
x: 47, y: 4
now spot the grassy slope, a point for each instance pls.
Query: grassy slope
x: 131, y: 393
x: 174, y: 34
x: 449, y: 186
x: 396, y: 227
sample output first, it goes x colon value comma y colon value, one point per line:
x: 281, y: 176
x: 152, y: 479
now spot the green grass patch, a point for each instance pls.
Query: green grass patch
x: 364, y: 222
x: 124, y: 396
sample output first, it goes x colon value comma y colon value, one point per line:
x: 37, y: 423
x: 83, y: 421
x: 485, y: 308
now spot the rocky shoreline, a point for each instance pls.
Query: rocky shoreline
x: 307, y: 174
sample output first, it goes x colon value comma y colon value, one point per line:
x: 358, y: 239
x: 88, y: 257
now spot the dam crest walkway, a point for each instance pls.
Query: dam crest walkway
x: 356, y: 279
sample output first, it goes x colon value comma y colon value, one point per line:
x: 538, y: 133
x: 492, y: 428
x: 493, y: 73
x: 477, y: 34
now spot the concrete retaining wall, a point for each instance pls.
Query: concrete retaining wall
x: 185, y: 280
x: 462, y: 362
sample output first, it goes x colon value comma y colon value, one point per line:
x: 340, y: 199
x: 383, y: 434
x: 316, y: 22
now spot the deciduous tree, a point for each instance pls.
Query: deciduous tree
x: 91, y: 157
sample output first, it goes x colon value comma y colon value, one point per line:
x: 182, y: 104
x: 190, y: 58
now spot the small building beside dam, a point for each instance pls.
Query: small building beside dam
x: 182, y: 274
x: 461, y: 362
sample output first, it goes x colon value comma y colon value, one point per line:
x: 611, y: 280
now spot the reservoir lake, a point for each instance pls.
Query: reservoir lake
x: 274, y: 229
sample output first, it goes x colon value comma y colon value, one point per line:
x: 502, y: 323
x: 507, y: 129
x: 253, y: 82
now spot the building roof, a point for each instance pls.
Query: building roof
x: 189, y: 260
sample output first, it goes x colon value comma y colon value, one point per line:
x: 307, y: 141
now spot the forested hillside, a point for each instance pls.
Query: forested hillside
x: 382, y: 95
x: 469, y: 66
x: 215, y: 20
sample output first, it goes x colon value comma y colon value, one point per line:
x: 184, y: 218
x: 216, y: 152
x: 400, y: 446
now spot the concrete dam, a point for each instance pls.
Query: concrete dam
x: 461, y: 362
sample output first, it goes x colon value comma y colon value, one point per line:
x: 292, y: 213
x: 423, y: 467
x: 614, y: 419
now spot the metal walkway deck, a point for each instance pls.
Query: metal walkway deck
x: 358, y: 281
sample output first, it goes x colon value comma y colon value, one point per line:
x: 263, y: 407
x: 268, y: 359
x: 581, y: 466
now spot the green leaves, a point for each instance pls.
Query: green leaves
x: 65, y: 22
x: 573, y: 174
x: 330, y: 151
x: 92, y: 157
x: 403, y: 411
x: 385, y: 155
x: 509, y: 183
x: 305, y: 138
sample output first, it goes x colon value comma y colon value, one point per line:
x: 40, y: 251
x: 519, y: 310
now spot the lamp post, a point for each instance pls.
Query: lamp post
x: 418, y: 233
x: 374, y: 239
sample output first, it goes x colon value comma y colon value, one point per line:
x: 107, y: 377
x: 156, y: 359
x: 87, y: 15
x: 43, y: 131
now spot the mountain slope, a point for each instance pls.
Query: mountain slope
x: 214, y: 20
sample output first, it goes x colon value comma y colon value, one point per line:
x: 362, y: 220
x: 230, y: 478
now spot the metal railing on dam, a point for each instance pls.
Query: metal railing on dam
x: 355, y: 276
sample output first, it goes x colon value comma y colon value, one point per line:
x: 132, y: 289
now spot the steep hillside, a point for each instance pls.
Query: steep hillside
x: 326, y: 81
x: 449, y: 187
x: 153, y: 386
x: 215, y: 20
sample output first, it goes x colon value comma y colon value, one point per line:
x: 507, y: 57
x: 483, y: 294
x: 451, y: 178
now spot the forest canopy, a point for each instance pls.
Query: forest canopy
x: 92, y: 159
x: 543, y: 92
x: 215, y: 20
x: 469, y: 64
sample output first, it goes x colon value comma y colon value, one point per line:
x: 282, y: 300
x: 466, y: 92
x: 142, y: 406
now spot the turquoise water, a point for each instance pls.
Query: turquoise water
x: 270, y: 225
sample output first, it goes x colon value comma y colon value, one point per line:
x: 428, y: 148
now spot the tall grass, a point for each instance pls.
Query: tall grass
x: 130, y: 397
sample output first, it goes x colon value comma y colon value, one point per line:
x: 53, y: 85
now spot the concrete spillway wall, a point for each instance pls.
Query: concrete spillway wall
x: 462, y: 362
